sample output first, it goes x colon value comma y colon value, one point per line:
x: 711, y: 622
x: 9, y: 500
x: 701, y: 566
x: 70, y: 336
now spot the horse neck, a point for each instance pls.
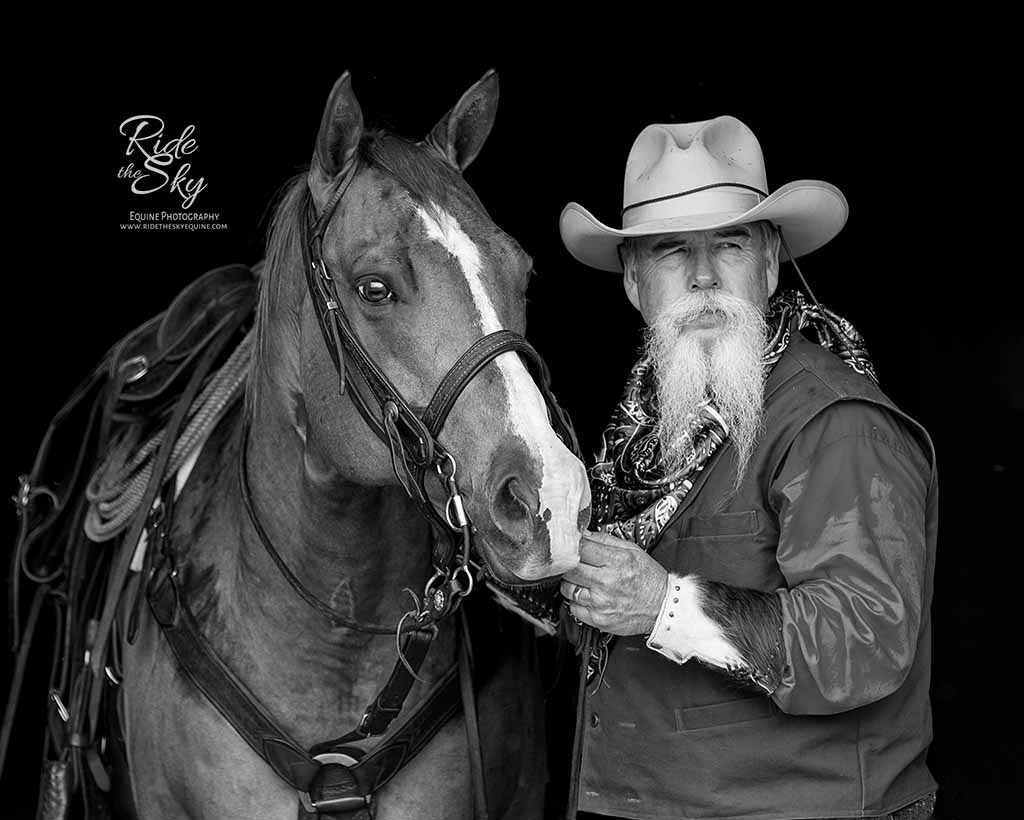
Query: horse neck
x: 355, y: 547
x: 349, y: 543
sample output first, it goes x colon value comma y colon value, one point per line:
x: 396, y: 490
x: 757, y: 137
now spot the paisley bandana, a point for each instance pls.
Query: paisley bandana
x: 633, y: 498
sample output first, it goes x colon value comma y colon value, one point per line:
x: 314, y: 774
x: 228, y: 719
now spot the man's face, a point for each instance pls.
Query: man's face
x: 733, y: 261
x: 704, y: 296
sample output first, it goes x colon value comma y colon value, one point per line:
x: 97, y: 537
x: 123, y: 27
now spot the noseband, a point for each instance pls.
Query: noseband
x: 413, y: 440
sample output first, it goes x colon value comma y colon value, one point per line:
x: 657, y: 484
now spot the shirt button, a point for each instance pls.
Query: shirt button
x: 595, y: 721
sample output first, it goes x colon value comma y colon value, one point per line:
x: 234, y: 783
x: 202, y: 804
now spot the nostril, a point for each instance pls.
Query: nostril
x: 513, y: 491
x: 514, y: 501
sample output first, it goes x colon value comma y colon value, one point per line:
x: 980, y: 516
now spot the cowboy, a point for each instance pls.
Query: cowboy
x: 764, y: 516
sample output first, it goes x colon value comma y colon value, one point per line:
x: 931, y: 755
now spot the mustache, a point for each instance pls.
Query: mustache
x: 690, y: 307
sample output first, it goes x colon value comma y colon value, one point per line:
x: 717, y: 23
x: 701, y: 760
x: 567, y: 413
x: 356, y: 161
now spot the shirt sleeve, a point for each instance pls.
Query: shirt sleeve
x: 683, y: 631
x: 851, y: 502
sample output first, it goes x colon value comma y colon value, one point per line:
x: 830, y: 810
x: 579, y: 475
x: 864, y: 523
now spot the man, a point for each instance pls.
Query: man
x: 762, y: 567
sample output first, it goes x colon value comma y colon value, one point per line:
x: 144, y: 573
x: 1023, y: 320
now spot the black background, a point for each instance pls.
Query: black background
x: 924, y: 268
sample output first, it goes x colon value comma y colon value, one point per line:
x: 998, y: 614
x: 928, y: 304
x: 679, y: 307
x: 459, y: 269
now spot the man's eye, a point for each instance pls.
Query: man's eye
x: 732, y: 246
x: 375, y: 291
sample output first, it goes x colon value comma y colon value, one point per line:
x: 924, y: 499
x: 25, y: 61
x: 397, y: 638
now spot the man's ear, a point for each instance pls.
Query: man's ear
x: 771, y: 258
x: 629, y: 280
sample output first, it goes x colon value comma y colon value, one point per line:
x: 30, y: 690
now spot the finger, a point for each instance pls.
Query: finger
x: 609, y: 540
x: 582, y: 613
x: 601, y: 547
x: 568, y: 590
x: 601, y: 537
x: 578, y: 594
x: 586, y: 575
x: 595, y: 553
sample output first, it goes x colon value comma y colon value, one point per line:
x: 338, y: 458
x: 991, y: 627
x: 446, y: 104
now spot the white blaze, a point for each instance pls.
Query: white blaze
x: 563, y: 480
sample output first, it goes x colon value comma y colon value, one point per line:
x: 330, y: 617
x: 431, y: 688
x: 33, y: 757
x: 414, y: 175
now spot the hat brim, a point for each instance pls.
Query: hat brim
x: 809, y: 212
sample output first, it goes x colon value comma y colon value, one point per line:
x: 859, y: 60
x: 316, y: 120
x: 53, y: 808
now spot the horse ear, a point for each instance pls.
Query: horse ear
x: 461, y: 133
x: 340, y: 131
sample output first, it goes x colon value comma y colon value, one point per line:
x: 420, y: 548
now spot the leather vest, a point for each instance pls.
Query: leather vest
x: 670, y: 740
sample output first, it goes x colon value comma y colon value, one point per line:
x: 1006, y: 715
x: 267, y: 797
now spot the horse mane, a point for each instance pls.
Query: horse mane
x: 422, y: 171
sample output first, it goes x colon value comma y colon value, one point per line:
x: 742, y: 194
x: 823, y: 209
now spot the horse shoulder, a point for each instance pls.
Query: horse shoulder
x: 185, y: 760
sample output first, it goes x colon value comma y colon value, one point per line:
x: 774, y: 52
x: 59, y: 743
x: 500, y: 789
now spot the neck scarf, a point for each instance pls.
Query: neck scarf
x: 633, y: 496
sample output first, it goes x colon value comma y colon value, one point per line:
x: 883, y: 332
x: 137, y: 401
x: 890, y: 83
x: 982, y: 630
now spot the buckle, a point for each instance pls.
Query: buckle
x: 333, y: 804
x: 134, y: 368
x: 329, y: 804
x: 21, y: 498
x: 62, y: 710
x: 162, y: 592
x: 373, y: 718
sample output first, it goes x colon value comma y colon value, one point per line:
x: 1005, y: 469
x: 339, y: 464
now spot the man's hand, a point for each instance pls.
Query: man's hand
x: 616, y: 587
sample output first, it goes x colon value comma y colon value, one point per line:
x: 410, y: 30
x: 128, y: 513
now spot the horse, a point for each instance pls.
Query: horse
x: 301, y: 530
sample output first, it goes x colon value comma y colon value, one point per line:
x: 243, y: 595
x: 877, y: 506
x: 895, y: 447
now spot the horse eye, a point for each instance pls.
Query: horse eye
x: 374, y: 291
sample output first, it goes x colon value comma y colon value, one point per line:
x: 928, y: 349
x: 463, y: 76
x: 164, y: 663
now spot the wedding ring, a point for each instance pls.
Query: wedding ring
x: 576, y: 594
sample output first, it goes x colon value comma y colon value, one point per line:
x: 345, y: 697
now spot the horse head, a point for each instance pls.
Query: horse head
x: 421, y: 273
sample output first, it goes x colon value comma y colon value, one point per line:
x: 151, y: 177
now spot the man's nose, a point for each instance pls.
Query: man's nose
x: 703, y: 276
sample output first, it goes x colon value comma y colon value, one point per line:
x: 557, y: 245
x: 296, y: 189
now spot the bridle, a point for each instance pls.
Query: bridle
x: 411, y: 439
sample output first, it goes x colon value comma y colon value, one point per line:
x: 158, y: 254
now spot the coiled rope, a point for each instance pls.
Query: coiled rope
x: 116, y: 488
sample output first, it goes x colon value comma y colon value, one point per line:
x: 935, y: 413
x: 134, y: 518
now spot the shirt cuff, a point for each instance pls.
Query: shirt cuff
x: 683, y: 631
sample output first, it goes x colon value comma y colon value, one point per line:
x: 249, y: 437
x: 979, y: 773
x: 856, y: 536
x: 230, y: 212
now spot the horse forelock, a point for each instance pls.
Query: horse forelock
x: 424, y: 174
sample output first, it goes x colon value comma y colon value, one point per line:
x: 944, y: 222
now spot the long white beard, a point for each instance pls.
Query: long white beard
x: 724, y: 364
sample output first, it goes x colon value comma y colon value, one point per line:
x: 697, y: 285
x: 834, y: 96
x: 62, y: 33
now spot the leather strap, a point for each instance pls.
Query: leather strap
x: 468, y: 365
x: 31, y: 492
x: 19, y: 670
x: 254, y: 723
x: 388, y: 703
x: 589, y: 642
x: 377, y: 768
x: 338, y: 333
x: 476, y: 757
x: 221, y: 687
x: 386, y: 760
x: 119, y: 571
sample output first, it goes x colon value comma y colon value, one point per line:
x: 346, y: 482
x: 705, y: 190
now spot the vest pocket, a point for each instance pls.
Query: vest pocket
x: 723, y: 524
x: 722, y: 714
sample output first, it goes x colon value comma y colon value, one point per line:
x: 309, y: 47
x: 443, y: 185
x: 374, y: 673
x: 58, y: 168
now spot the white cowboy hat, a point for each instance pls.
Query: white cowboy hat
x: 700, y: 176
